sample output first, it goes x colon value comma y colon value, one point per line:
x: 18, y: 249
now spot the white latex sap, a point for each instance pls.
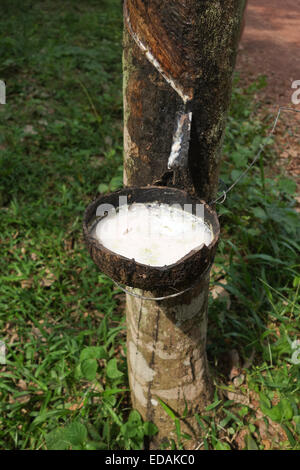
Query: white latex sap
x: 152, y: 234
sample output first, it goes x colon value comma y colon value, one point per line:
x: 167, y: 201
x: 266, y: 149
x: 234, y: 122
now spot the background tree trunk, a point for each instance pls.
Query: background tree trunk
x: 195, y: 42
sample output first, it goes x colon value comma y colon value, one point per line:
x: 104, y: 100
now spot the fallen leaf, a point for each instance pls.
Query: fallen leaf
x: 239, y: 380
x: 49, y: 279
x: 238, y: 397
x: 22, y: 384
x: 23, y: 398
x: 29, y: 130
x: 240, y: 439
x: 267, y: 444
x: 26, y: 283
x: 76, y: 406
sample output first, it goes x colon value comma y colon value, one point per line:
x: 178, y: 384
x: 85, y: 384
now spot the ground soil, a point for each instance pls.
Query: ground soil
x: 270, y: 46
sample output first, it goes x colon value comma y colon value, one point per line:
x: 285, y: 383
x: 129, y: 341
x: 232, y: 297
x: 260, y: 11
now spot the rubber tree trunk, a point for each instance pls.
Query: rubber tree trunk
x: 195, y: 44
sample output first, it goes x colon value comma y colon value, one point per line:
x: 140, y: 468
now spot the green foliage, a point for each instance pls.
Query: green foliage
x: 77, y: 436
x: 281, y: 412
x: 258, y: 257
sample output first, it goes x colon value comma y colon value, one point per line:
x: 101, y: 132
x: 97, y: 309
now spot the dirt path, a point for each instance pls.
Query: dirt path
x: 270, y: 46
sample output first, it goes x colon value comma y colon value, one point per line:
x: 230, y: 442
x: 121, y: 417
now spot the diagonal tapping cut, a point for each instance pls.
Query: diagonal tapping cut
x: 181, y: 138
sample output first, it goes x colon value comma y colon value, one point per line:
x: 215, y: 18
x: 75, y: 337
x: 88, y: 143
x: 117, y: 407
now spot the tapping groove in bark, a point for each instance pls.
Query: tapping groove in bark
x: 195, y: 43
x: 206, y: 32
x: 150, y: 45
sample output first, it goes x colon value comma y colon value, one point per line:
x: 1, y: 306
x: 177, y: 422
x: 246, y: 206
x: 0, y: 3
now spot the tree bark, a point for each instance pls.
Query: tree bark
x: 166, y: 343
x: 195, y: 43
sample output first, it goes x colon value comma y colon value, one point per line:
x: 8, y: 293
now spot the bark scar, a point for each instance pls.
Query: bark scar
x: 150, y: 408
x: 192, y: 369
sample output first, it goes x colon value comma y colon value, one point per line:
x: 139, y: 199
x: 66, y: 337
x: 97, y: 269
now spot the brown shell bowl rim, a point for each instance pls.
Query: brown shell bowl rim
x: 101, y: 248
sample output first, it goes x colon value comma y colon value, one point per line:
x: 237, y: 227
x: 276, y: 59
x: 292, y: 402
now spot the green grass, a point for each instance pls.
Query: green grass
x: 65, y: 382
